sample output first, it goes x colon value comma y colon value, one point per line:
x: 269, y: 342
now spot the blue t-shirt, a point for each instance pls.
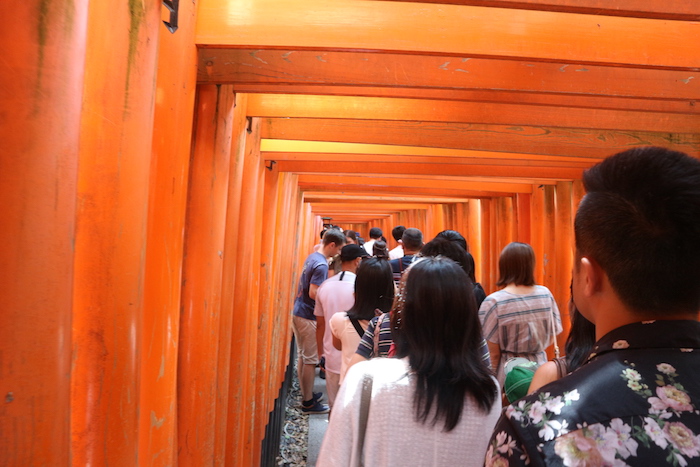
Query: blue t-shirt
x: 315, y: 271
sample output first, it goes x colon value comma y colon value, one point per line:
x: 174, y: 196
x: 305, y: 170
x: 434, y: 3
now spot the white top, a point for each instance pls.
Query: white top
x: 368, y: 246
x: 333, y: 296
x: 342, y: 328
x: 393, y: 436
x: 396, y: 253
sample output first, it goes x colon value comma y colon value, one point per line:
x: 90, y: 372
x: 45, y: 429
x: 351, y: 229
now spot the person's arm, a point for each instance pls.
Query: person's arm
x: 337, y: 343
x: 495, y: 352
x: 320, y: 330
x: 507, y: 447
x: 545, y: 374
x: 313, y: 290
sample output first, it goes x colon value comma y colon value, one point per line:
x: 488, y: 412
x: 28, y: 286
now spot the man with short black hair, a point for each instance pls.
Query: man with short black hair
x: 397, y: 233
x: 636, y: 401
x: 313, y: 274
x: 336, y: 294
x: 412, y: 240
x: 375, y: 233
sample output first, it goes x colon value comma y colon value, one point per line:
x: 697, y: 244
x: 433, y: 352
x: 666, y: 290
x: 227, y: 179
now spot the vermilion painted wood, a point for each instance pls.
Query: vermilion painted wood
x: 522, y: 139
x: 407, y: 168
x: 313, y: 185
x: 445, y: 183
x: 683, y: 84
x: 202, y: 272
x: 228, y: 351
x: 40, y: 111
x: 241, y: 450
x: 448, y: 29
x: 172, y: 133
x: 673, y: 10
x: 523, y: 216
x: 564, y: 253
x: 424, y: 110
x: 110, y: 244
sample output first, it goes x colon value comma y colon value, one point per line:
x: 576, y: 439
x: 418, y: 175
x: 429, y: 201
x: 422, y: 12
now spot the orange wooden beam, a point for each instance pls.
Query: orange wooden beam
x: 449, y: 29
x: 315, y: 185
x: 423, y: 110
x: 487, y: 96
x: 353, y: 167
x: 454, y: 77
x: 526, y: 140
x: 671, y: 10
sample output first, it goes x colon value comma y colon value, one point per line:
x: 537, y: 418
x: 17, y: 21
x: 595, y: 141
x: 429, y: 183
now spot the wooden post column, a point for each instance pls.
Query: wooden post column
x: 110, y: 245
x: 43, y: 54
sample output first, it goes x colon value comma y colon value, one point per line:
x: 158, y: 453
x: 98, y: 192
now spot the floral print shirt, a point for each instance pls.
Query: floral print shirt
x: 635, y: 402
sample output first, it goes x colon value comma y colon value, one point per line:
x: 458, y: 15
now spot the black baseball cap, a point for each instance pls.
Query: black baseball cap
x: 352, y: 251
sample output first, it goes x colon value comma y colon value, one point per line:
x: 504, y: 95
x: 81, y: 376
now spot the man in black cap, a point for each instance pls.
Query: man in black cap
x: 334, y: 295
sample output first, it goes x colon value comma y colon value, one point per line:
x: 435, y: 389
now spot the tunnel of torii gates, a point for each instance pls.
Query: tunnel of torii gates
x: 165, y: 168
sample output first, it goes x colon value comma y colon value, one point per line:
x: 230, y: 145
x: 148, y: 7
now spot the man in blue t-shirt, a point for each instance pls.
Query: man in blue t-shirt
x: 315, y: 271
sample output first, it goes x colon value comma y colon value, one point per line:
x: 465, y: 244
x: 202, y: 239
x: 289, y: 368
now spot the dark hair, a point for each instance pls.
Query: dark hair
x: 516, y: 265
x: 581, y: 339
x: 471, y: 267
x: 412, y: 239
x: 441, y: 336
x: 375, y: 232
x: 640, y: 221
x: 323, y: 232
x: 454, y: 236
x: 440, y: 246
x: 374, y: 288
x: 351, y: 234
x: 334, y: 236
x: 397, y: 232
x: 380, y: 250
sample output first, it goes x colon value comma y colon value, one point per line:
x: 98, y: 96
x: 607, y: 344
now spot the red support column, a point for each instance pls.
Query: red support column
x: 202, y: 272
x: 172, y: 135
x: 43, y: 54
x: 110, y: 245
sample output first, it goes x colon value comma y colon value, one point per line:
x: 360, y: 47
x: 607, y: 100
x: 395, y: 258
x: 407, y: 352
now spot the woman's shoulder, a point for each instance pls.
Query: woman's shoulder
x: 541, y: 289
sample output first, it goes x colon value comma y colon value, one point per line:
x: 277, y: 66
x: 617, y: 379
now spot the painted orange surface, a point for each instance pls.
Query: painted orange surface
x: 172, y: 133
x: 110, y: 244
x: 449, y: 29
x: 40, y: 105
x: 202, y: 272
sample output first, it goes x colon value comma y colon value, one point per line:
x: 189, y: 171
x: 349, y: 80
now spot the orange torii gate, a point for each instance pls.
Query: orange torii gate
x: 162, y: 183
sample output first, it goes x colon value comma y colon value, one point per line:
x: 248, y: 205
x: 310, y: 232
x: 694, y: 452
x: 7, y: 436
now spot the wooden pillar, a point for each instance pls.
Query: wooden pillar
x: 522, y: 216
x: 489, y: 267
x: 564, y: 257
x: 537, y: 226
x: 231, y: 255
x: 110, y: 245
x: 43, y: 53
x: 239, y: 449
x: 547, y: 256
x: 172, y: 134
x: 202, y: 272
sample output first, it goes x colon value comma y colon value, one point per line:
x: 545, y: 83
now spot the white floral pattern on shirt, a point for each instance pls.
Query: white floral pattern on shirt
x: 609, y: 444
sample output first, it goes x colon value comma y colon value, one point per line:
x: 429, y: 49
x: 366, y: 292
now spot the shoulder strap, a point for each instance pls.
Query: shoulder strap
x: 356, y: 325
x: 365, y: 398
x: 560, y: 362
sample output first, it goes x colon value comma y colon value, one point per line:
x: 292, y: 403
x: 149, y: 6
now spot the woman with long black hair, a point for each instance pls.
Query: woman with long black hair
x: 374, y: 294
x: 433, y: 405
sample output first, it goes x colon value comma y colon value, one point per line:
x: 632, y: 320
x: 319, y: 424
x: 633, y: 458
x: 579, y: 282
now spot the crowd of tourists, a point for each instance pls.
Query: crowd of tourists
x: 423, y: 367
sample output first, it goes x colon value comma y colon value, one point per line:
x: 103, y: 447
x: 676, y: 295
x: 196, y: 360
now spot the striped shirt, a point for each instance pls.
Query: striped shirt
x: 366, y: 347
x: 521, y: 325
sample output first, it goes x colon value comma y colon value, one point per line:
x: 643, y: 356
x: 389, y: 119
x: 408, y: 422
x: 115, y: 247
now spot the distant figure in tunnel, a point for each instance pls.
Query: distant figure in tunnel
x: 375, y: 233
x: 314, y: 272
x: 522, y: 319
x: 397, y: 233
x: 336, y: 294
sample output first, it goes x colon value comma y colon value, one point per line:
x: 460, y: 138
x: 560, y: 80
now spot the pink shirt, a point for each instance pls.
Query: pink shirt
x: 333, y: 296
